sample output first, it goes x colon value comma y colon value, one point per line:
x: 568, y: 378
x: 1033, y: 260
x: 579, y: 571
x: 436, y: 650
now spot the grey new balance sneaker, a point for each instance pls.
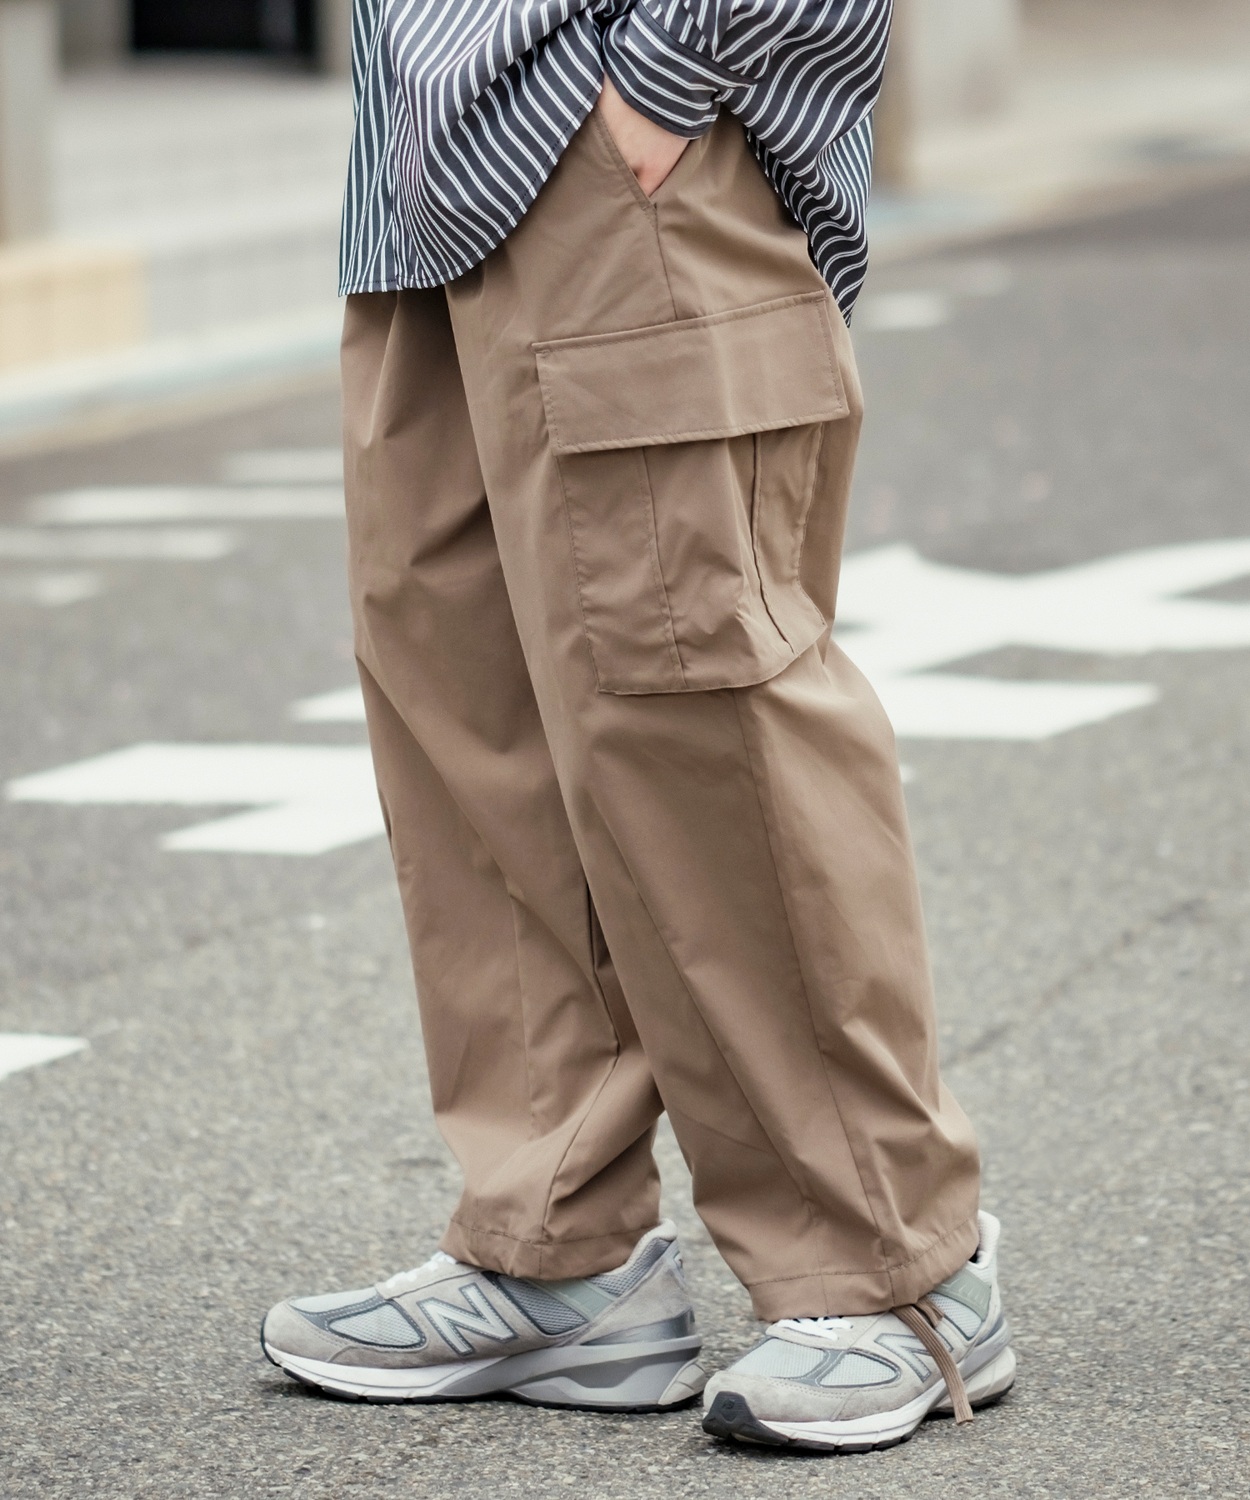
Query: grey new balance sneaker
x: 853, y: 1384
x: 621, y: 1341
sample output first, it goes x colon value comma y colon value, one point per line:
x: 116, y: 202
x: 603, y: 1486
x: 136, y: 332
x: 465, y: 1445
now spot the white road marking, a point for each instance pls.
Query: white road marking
x: 126, y: 504
x: 914, y: 615
x: 903, y: 312
x: 911, y: 615
x: 284, y: 466
x: 343, y: 706
x: 310, y: 798
x: 20, y: 1050
x: 919, y: 615
x: 939, y: 706
x: 983, y: 278
x: 50, y: 589
x: 166, y: 543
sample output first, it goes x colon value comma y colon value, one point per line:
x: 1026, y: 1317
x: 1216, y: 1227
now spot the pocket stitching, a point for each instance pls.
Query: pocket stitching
x: 831, y: 354
x: 708, y: 320
x: 694, y: 435
x: 757, y: 502
x: 579, y: 574
x: 796, y: 556
x: 807, y: 516
x: 657, y: 576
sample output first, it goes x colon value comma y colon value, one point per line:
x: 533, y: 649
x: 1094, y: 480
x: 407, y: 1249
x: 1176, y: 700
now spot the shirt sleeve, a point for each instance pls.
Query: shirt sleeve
x: 678, y: 61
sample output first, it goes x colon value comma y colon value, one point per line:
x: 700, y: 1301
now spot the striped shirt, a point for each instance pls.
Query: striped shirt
x: 463, y: 108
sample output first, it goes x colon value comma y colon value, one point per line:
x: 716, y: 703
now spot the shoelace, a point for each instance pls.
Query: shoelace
x: 922, y: 1318
x: 817, y: 1325
x: 404, y: 1281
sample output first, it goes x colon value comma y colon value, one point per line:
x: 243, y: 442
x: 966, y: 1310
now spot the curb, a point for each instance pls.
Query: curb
x: 47, y: 399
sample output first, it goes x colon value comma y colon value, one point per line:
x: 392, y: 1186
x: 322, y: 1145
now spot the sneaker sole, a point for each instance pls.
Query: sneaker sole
x: 619, y: 1377
x: 731, y: 1418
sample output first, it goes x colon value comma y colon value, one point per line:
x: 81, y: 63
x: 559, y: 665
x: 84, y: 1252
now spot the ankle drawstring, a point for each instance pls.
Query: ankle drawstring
x: 922, y: 1318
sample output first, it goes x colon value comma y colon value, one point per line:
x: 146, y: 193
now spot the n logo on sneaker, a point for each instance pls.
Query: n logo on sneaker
x: 908, y: 1349
x: 477, y: 1316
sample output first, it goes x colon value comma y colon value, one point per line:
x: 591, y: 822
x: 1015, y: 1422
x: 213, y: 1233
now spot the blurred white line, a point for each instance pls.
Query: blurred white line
x: 50, y: 589
x: 117, y: 504
x: 983, y: 278
x: 191, y: 544
x: 310, y: 798
x: 903, y: 312
x: 941, y: 706
x: 20, y: 1050
x: 293, y: 828
x: 212, y: 359
x: 911, y: 619
x: 343, y: 706
x: 284, y: 466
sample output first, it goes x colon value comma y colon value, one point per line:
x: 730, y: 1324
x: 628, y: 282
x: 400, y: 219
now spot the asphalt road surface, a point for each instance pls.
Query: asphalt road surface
x: 1048, y: 573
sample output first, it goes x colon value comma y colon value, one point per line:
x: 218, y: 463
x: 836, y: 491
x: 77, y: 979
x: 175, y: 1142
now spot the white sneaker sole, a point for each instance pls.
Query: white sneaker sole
x: 616, y: 1377
x: 986, y: 1382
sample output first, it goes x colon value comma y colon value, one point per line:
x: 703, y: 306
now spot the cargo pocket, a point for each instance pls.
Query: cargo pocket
x: 688, y: 455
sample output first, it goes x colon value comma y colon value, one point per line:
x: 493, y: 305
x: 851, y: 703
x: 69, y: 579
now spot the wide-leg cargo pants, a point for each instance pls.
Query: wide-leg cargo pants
x: 646, y: 816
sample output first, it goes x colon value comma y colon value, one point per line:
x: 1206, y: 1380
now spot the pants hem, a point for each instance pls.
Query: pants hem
x: 493, y: 1250
x: 829, y: 1293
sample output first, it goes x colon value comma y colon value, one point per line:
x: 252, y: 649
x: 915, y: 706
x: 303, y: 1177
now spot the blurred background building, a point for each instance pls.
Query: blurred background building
x: 95, y: 31
x: 170, y: 170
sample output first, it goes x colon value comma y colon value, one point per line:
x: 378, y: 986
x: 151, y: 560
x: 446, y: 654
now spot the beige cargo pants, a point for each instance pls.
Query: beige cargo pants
x: 646, y: 818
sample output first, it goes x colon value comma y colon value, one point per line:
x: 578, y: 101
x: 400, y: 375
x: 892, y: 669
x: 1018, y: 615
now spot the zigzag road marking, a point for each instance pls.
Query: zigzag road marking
x: 110, y: 505
x: 20, y: 1050
x: 901, y: 615
x: 906, y: 616
x: 308, y: 798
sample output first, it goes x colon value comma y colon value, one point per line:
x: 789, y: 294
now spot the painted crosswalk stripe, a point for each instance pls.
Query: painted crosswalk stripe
x: 20, y: 1050
x: 903, y: 312
x: 342, y: 706
x: 912, y: 619
x: 284, y: 466
x: 118, y: 543
x: 128, y: 504
x: 50, y: 590
x: 302, y: 799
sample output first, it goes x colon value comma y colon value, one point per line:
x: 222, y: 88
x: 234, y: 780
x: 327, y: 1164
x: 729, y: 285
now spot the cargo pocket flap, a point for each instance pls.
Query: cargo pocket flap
x: 750, y: 370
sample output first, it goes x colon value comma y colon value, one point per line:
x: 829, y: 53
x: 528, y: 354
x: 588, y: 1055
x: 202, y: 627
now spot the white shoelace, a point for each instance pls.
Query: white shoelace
x: 830, y: 1326
x: 922, y: 1319
x: 404, y: 1281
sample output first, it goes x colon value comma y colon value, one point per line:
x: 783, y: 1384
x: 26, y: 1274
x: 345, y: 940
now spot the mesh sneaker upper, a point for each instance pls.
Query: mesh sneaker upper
x: 444, y: 1311
x: 826, y: 1369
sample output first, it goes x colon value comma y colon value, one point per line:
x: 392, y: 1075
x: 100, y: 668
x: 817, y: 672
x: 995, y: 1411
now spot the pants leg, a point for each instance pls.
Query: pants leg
x: 665, y: 409
x: 539, y: 1081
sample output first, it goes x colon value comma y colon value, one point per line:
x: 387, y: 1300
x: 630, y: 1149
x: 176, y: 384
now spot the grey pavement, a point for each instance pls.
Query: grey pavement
x: 248, y: 1118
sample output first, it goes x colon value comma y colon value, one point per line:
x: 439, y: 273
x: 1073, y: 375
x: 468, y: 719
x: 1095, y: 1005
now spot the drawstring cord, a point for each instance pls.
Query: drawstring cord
x: 922, y: 1318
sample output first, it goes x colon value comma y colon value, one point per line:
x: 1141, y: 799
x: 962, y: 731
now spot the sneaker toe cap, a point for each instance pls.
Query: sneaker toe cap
x: 286, y: 1331
x: 772, y: 1399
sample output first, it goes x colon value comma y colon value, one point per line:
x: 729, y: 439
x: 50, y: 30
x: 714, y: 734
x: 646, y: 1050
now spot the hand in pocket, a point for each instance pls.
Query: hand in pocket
x: 650, y: 151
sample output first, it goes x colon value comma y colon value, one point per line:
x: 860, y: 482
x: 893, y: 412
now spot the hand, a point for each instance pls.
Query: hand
x: 650, y: 151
